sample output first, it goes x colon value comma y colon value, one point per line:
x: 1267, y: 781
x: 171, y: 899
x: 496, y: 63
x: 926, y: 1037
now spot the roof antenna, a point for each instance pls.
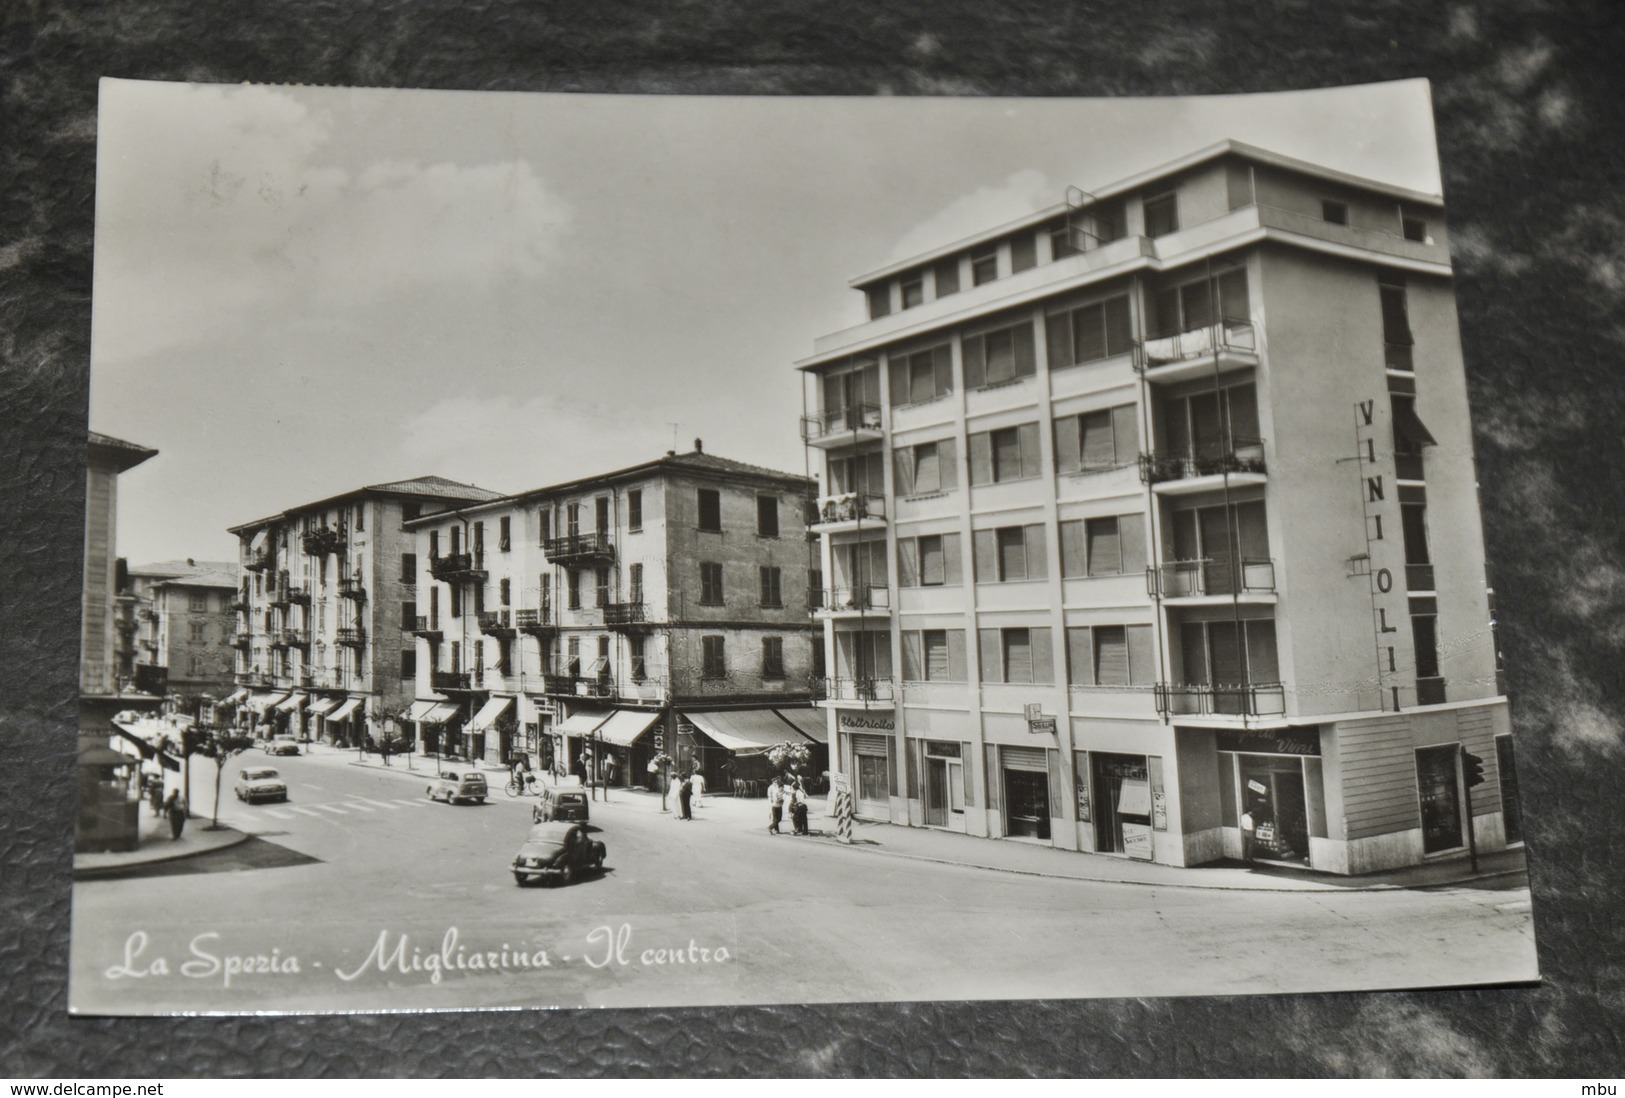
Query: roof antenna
x: 673, y: 451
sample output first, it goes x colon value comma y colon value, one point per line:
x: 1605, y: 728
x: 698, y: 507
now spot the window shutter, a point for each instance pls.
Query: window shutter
x: 1058, y: 340
x: 1105, y: 554
x: 1080, y: 664
x: 957, y: 669
x: 913, y: 663
x: 1243, y: 401
x: 897, y: 370
x: 927, y: 474
x: 1001, y: 355
x: 1012, y: 553
x: 987, y: 641
x: 967, y: 752
x: 1099, y: 452
x: 1043, y: 655
x: 1068, y: 448
x: 985, y: 550
x: 1225, y: 650
x: 930, y: 562
x: 1263, y: 662
x: 1037, y: 562
x: 948, y: 463
x: 908, y: 562
x: 974, y: 351
x: 981, y: 458
x: 1027, y: 435
x: 1119, y: 331
x: 936, y: 655
x: 942, y: 366
x: 1131, y: 542
x: 1006, y: 454
x: 1142, y: 655
x: 1073, y: 557
x: 1111, y: 655
x: 1026, y: 361
x: 1023, y: 252
x: 1091, y: 333
x: 1018, y: 656
x: 952, y: 569
x: 1126, y: 433
x: 905, y: 470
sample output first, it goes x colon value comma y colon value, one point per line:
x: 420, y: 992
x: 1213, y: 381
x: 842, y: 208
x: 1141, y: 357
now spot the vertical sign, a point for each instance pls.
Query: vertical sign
x: 1379, y: 496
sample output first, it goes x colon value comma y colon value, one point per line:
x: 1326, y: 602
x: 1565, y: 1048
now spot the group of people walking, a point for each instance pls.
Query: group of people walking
x: 788, y: 793
x: 690, y: 794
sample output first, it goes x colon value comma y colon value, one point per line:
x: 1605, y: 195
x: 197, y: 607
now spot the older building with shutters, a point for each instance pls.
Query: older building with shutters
x: 1153, y: 515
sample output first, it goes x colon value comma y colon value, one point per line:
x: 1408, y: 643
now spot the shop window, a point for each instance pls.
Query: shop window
x: 1439, y: 794
x: 1010, y: 453
x: 927, y: 468
x: 1009, y: 554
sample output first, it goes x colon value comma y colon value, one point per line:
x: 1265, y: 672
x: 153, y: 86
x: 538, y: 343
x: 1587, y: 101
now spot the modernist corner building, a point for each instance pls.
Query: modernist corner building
x: 1156, y: 510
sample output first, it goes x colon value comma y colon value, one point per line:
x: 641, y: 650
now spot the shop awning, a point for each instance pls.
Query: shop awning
x: 488, y: 714
x: 343, y: 712
x: 236, y: 699
x: 149, y: 750
x: 809, y: 722
x: 581, y: 724
x: 101, y: 755
x: 420, y: 710
x: 259, y: 703
x: 745, y: 730
x: 292, y: 703
x: 321, y: 706
x: 626, y: 725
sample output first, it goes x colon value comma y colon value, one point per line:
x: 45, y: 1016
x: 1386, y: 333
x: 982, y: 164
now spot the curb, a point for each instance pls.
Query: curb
x: 125, y: 868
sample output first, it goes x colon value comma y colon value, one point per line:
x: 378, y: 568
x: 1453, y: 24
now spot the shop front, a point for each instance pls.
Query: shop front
x: 260, y: 709
x: 735, y: 750
x: 873, y: 777
x: 574, y: 736
x: 494, y: 721
x: 289, y: 716
x: 947, y: 783
x: 317, y: 714
x: 343, y: 724
x: 626, y: 738
x: 1438, y: 783
x: 436, y: 721
x: 1272, y: 779
x: 1024, y: 782
x: 1121, y: 802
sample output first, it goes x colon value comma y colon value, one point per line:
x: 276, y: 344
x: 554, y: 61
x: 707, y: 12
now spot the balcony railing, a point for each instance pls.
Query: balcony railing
x: 426, y: 628
x: 294, y: 638
x: 352, y: 636
x: 580, y: 548
x: 239, y: 602
x: 1430, y: 691
x: 578, y: 686
x: 625, y: 615
x: 258, y: 562
x: 843, y: 600
x: 458, y: 567
x: 852, y: 418
x: 242, y: 640
x: 864, y: 689
x: 1183, y: 579
x: 497, y: 623
x: 537, y: 623
x: 1238, y: 455
x: 1210, y: 339
x: 850, y: 507
x: 322, y: 540
x: 1257, y: 699
x: 350, y: 587
x: 442, y: 681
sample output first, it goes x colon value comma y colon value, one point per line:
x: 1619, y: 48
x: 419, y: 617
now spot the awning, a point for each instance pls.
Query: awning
x: 260, y: 539
x: 260, y: 702
x: 236, y: 699
x: 441, y: 713
x: 100, y: 755
x: 342, y: 713
x: 420, y: 709
x: 809, y: 722
x: 320, y: 706
x: 149, y: 750
x: 292, y: 703
x: 580, y: 724
x: 1410, y: 426
x: 626, y: 725
x: 745, y: 730
x: 488, y: 714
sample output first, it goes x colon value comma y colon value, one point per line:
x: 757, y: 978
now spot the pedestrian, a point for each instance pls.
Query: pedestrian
x: 1248, y: 827
x: 798, y: 809
x: 155, y: 796
x: 176, y: 811
x: 698, y: 783
x: 685, y: 800
x: 775, y: 806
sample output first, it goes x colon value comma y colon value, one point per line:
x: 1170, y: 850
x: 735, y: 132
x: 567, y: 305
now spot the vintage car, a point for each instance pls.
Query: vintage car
x: 260, y: 783
x: 455, y: 786
x: 560, y: 802
x: 557, y: 852
x: 282, y: 745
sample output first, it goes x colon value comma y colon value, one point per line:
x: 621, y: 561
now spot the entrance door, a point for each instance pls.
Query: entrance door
x: 873, y: 792
x: 1511, y: 813
x: 1110, y: 771
x: 1026, y: 799
x: 1440, y: 795
x: 936, y: 792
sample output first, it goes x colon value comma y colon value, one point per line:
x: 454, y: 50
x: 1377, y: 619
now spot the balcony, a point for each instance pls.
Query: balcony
x: 572, y: 550
x: 258, y: 562
x: 286, y: 593
x: 1193, y: 582
x: 319, y: 541
x: 644, y: 691
x: 294, y: 638
x: 427, y: 629
x: 1430, y: 691
x: 350, y: 588
x: 147, y: 613
x: 860, y: 693
x: 242, y: 641
x: 849, y: 511
x: 497, y: 623
x: 458, y: 568
x: 276, y: 639
x: 537, y: 623
x: 852, y: 602
x: 1257, y: 699
x: 255, y: 678
x: 626, y: 616
x: 352, y: 636
x: 848, y: 426
x: 239, y: 602
x: 578, y: 686
x: 299, y: 595
x: 451, y: 681
x: 1203, y: 467
x: 1179, y: 356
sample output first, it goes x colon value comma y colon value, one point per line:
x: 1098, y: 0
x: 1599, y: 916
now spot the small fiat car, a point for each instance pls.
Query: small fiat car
x: 560, y: 802
x: 459, y: 787
x: 557, y: 852
x: 260, y: 783
x: 282, y: 745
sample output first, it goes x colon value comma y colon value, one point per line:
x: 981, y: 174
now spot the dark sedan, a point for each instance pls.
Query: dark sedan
x: 556, y: 852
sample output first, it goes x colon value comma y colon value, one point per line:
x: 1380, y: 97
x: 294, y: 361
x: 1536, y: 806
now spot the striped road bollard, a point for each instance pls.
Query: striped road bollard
x: 843, y: 816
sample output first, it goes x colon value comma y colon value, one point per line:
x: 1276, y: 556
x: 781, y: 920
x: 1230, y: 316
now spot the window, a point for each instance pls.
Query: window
x: 544, y: 591
x: 634, y: 509
x: 947, y: 277
x: 860, y: 473
x: 456, y: 606
x: 572, y: 519
x: 772, y: 657
x: 504, y: 590
x: 574, y: 592
x: 1009, y: 554
x: 712, y: 664
x: 504, y: 530
x: 1192, y: 305
x: 1060, y: 241
x: 772, y: 593
x: 1161, y: 215
x: 478, y: 548
x: 636, y: 658
x: 922, y: 375
x: 998, y: 356
x: 1111, y: 655
x: 1109, y: 546
x: 934, y: 655
x: 1337, y: 213
x: 1023, y: 252
x: 710, y: 510
x: 600, y: 514
x: 602, y: 585
x: 710, y: 583
x: 879, y: 300
x: 929, y: 561
x: 984, y: 265
x: 767, y: 516
x: 1414, y: 228
x: 410, y: 511
x: 200, y: 632
x: 913, y: 291
x: 1094, y: 441
x: 927, y: 468
x: 572, y: 664
x: 1089, y: 333
x: 434, y: 609
x: 1396, y: 322
x: 1007, y: 454
x: 409, y: 663
x: 1016, y: 655
x: 544, y: 526
x: 634, y: 579
x: 360, y: 516
x: 409, y: 616
x: 409, y: 567
x: 198, y: 602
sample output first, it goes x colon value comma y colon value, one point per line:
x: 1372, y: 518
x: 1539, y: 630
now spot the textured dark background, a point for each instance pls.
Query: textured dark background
x: 1529, y: 115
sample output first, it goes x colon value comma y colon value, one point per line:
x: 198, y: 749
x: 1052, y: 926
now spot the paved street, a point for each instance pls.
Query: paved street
x: 360, y: 877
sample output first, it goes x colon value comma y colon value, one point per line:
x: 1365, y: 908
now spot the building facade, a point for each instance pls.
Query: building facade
x: 655, y: 610
x: 183, y: 625
x: 1153, y: 515
x: 322, y: 649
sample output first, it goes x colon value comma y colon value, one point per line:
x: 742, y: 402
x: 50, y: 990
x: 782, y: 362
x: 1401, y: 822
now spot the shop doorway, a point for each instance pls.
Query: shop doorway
x: 872, y: 764
x: 1272, y: 792
x: 1026, y: 792
x: 1111, y: 772
x: 1438, y: 786
x: 944, y: 784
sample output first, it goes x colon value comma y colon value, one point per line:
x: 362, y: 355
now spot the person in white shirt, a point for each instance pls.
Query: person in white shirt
x: 775, y: 806
x: 697, y: 786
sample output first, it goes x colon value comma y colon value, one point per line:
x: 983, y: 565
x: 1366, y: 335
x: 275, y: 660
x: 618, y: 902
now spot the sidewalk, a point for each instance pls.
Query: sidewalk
x: 155, y: 845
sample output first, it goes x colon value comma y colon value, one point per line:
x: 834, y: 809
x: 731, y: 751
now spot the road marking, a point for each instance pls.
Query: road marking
x: 305, y: 811
x: 358, y: 806
x: 333, y: 808
x: 411, y: 804
x: 278, y: 813
x: 312, y: 785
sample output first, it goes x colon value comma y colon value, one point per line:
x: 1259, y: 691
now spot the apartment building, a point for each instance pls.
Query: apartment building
x: 181, y: 625
x: 1154, y: 514
x: 322, y: 651
x: 657, y: 609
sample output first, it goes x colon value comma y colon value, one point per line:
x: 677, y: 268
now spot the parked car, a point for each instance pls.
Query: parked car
x: 560, y: 802
x: 282, y: 745
x: 453, y: 786
x: 260, y: 783
x: 557, y: 852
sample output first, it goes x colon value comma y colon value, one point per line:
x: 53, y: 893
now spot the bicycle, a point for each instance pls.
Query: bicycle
x: 518, y: 788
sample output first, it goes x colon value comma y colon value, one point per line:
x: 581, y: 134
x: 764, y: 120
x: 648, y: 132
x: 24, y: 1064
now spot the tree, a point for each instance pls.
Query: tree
x: 218, y: 744
x: 789, y: 756
x: 392, y: 745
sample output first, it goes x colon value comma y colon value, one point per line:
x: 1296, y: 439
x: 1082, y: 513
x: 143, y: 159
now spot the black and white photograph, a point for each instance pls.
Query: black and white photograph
x: 552, y: 550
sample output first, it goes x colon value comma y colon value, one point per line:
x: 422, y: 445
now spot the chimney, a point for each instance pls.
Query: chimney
x: 190, y: 563
x: 699, y: 446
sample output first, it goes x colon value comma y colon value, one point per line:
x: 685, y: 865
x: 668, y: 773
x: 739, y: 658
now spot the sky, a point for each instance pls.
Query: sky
x: 300, y: 291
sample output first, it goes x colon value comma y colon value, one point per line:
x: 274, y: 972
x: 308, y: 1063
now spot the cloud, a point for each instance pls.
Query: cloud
x: 1021, y: 193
